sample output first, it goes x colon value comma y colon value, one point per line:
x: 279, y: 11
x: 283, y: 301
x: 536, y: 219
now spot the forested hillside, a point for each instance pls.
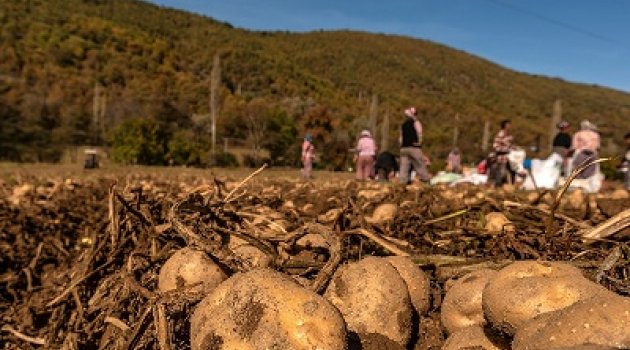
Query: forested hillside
x: 150, y: 68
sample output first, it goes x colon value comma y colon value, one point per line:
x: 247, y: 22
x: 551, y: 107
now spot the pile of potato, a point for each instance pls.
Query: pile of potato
x: 372, y: 303
x: 531, y: 305
x: 375, y: 303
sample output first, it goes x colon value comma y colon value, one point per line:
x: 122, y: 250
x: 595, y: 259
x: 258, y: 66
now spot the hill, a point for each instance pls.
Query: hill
x: 144, y: 62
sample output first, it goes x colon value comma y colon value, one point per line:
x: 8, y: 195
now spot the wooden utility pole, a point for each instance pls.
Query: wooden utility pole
x: 215, y: 81
x: 456, y: 131
x: 98, y: 111
x: 373, y: 114
x: 385, y: 133
x: 556, y: 117
x: 485, y: 140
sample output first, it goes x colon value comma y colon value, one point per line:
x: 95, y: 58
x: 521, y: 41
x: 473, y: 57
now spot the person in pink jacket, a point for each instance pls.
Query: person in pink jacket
x: 308, y: 154
x: 365, y: 153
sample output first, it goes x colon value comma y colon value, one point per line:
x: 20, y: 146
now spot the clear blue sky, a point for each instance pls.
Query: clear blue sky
x: 578, y: 40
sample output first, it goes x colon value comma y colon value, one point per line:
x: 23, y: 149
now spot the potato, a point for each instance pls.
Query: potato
x: 462, y: 305
x: 382, y: 213
x: 264, y: 309
x: 526, y: 289
x: 603, y: 320
x: 372, y: 341
x: 619, y: 194
x: 417, y: 282
x: 373, y: 194
x: 187, y: 267
x: 498, y: 222
x: 245, y: 251
x: 329, y: 216
x: 575, y: 200
x: 474, y: 337
x: 19, y: 193
x: 509, y: 188
x: 373, y: 298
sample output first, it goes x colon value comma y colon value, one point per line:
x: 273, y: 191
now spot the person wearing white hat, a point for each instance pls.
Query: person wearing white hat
x: 411, y: 148
x: 366, y: 151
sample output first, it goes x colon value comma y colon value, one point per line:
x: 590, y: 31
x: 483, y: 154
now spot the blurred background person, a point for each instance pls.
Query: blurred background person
x: 308, y: 154
x: 454, y: 161
x: 365, y: 153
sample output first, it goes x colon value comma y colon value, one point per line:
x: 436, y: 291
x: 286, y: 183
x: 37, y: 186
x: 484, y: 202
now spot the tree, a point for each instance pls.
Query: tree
x: 139, y: 141
x: 281, y: 139
x: 256, y: 122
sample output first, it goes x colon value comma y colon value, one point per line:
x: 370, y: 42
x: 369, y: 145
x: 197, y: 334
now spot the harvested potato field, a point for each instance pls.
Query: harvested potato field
x: 150, y: 258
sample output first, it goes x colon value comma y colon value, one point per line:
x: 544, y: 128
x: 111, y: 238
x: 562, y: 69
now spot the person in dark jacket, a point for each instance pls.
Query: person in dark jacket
x: 411, y: 148
x: 562, y: 141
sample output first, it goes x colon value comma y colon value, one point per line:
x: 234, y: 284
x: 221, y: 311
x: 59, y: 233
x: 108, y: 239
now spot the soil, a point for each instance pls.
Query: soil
x: 79, y: 257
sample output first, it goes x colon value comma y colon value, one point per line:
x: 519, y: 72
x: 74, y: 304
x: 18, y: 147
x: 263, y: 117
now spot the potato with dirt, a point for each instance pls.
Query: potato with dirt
x: 373, y: 298
x: 525, y: 289
x: 383, y: 213
x: 462, y: 305
x: 187, y: 267
x: 265, y: 309
x: 417, y: 281
x: 497, y: 222
x: 603, y: 320
x: 475, y: 337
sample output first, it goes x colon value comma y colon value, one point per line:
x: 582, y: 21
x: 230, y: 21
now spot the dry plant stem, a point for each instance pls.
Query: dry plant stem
x: 138, y: 329
x: 256, y: 216
x: 446, y: 272
x: 229, y: 195
x: 531, y: 176
x: 446, y: 217
x: 608, y: 263
x: 259, y: 244
x: 191, y: 237
x: 133, y: 211
x: 608, y: 227
x: 378, y: 239
x: 547, y: 212
x: 161, y: 326
x: 114, y: 227
x: 26, y: 338
x: 441, y: 260
x: 549, y: 232
x: 324, y: 275
x: 78, y: 281
x: 117, y: 323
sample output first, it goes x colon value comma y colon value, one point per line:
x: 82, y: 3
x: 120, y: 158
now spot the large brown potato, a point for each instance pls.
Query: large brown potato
x: 383, y: 213
x: 417, y: 282
x: 187, y: 267
x: 373, y: 298
x: 474, y: 337
x: 462, y: 306
x: 526, y: 289
x: 264, y: 309
x: 603, y: 320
